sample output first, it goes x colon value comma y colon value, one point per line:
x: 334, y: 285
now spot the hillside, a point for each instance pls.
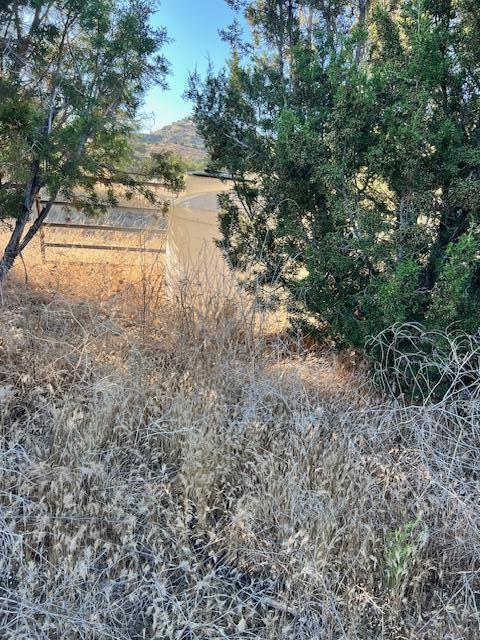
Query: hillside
x: 181, y: 138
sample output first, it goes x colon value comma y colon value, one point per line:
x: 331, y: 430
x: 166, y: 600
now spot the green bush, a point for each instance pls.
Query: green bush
x: 352, y: 137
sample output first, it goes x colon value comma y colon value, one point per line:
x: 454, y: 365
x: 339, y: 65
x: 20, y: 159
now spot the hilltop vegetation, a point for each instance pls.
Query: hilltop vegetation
x: 179, y: 138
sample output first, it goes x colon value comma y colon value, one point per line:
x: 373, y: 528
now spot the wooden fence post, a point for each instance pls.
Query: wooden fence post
x: 42, y: 236
x: 42, y: 245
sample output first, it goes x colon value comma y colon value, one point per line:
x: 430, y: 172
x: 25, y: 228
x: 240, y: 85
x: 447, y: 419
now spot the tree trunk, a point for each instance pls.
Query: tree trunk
x: 310, y: 26
x: 281, y: 42
x: 402, y: 224
x: 453, y: 224
x: 362, y: 17
x: 35, y: 228
x: 13, y: 248
x: 17, y: 242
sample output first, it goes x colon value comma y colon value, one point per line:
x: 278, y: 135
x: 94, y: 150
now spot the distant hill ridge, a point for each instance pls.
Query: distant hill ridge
x: 180, y: 137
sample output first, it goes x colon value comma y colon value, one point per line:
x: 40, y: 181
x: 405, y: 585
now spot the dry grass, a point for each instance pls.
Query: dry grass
x: 185, y: 476
x: 88, y: 273
x: 108, y: 276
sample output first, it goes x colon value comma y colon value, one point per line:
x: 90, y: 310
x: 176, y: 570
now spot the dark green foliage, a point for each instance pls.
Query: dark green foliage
x: 352, y: 130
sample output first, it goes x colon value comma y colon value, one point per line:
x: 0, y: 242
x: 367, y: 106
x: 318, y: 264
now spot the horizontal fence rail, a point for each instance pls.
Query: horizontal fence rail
x: 95, y: 227
x: 137, y: 206
x: 140, y: 231
x: 101, y: 247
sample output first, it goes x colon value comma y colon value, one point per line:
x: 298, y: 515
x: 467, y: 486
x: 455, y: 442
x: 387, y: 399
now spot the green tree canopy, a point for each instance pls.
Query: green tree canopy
x: 72, y: 77
x: 352, y: 131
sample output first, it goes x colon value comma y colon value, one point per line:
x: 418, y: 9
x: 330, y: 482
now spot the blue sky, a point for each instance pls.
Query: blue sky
x: 193, y: 25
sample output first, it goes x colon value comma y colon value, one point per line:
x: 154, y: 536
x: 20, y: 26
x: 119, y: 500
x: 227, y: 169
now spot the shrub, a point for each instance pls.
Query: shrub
x: 352, y: 139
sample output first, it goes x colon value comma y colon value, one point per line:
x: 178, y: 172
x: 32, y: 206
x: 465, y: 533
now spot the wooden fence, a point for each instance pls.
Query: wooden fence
x: 45, y: 244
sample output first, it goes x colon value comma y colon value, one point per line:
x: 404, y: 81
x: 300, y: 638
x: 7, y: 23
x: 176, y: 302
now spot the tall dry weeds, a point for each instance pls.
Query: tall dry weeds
x: 187, y: 477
